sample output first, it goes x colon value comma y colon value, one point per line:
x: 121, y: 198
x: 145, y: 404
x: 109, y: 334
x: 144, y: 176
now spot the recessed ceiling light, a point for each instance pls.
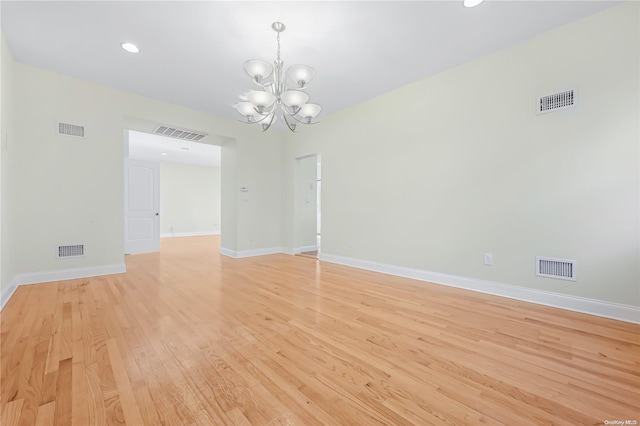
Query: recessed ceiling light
x: 163, y: 153
x: 130, y: 47
x: 471, y: 3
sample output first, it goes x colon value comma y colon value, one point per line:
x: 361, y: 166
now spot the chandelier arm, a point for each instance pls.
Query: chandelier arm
x: 284, y: 117
x: 265, y: 113
x: 257, y: 121
x: 266, y: 85
x: 273, y: 116
x: 301, y: 121
x: 262, y: 119
x: 297, y: 119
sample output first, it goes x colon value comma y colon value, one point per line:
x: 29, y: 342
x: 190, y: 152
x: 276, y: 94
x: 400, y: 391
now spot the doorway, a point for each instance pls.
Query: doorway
x: 308, y: 213
x: 185, y: 189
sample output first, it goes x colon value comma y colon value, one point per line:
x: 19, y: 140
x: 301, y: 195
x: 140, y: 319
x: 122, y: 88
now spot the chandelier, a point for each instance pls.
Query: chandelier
x: 281, y: 92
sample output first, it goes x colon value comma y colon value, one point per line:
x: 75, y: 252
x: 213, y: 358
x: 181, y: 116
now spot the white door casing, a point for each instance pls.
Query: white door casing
x: 141, y: 206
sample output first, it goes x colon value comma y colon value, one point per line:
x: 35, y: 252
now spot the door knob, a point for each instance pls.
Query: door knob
x: 157, y: 214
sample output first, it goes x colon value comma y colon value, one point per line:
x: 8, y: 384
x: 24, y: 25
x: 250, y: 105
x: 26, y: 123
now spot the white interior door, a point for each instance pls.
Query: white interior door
x: 142, y: 206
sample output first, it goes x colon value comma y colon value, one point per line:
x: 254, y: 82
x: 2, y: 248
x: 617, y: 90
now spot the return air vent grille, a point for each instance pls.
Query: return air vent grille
x: 175, y: 132
x: 561, y: 269
x: 71, y: 130
x: 557, y: 101
x: 71, y: 251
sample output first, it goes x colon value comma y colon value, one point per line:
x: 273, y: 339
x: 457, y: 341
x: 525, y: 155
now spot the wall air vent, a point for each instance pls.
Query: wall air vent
x: 557, y: 101
x: 71, y: 130
x: 562, y: 269
x: 76, y: 250
x: 184, y: 134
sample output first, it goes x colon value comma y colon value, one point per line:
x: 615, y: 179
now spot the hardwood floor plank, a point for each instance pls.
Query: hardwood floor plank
x: 113, y: 409
x: 37, y: 379
x: 128, y: 401
x: 46, y: 414
x: 63, y: 394
x: 66, y: 337
x: 96, y: 409
x: 11, y: 412
x: 53, y: 354
x: 79, y: 403
x: 190, y: 337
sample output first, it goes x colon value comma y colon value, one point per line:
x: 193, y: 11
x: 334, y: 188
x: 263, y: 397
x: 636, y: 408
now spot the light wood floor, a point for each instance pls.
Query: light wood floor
x: 189, y: 337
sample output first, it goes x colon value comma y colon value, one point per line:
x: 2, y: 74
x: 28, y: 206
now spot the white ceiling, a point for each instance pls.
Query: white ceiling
x: 149, y: 147
x: 192, y: 53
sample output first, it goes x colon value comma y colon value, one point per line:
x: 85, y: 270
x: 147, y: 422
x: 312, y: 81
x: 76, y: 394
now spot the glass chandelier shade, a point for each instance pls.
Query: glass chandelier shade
x: 294, y: 99
x: 258, y: 70
x: 309, y: 111
x: 280, y: 93
x: 300, y: 75
x: 247, y: 110
x: 261, y: 100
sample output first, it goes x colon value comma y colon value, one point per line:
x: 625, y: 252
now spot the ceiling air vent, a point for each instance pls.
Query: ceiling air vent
x: 76, y: 250
x: 71, y: 130
x: 557, y: 101
x: 184, y: 134
x: 561, y: 269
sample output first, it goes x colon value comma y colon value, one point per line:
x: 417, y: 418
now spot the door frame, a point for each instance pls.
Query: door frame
x: 297, y: 237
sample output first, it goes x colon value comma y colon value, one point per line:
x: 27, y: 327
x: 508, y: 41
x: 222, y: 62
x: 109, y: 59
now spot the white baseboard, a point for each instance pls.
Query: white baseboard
x: 65, y: 274
x: 303, y: 249
x: 572, y: 303
x: 188, y: 234
x: 251, y: 253
x: 228, y: 253
x: 70, y: 274
x: 6, y: 295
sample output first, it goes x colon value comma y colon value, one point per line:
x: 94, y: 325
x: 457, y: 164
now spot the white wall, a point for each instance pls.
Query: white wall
x: 71, y: 190
x: 435, y: 174
x: 259, y: 211
x: 7, y: 269
x: 189, y: 199
x: 229, y: 190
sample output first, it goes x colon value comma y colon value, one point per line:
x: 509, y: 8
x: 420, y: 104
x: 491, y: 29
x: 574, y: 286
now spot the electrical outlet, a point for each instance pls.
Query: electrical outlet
x: 488, y: 259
